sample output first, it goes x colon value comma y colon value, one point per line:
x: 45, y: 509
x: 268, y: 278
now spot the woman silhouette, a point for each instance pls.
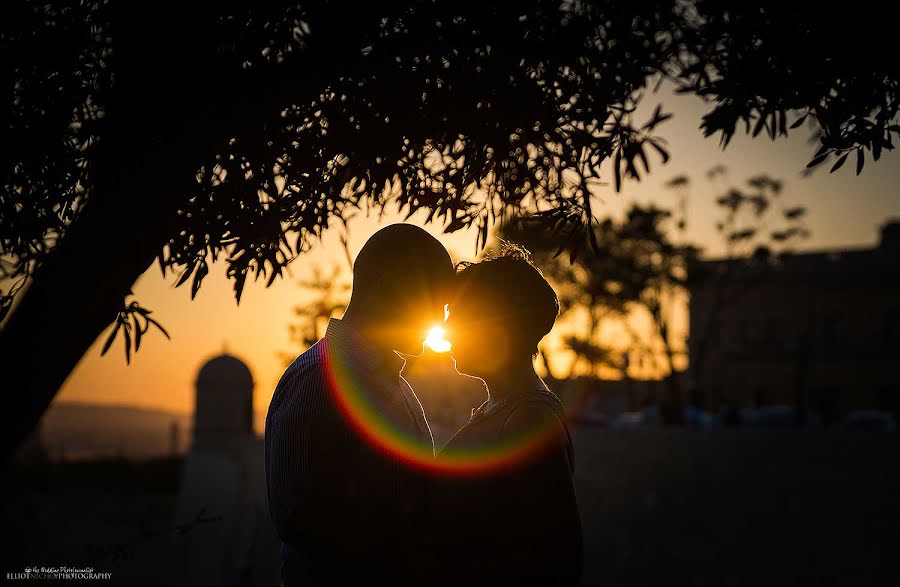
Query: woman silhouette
x: 517, y: 522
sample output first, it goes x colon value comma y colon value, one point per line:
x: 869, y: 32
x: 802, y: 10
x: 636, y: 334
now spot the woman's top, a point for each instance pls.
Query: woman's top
x: 516, y: 523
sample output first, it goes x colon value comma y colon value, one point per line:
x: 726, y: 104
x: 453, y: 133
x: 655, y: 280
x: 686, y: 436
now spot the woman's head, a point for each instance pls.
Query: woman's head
x: 502, y: 309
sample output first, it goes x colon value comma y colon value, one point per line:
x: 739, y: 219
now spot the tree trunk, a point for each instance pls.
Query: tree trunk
x: 77, y: 292
x: 672, y: 410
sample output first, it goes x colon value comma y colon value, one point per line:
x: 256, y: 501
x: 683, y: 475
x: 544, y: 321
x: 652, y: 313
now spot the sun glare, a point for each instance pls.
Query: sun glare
x: 436, y: 340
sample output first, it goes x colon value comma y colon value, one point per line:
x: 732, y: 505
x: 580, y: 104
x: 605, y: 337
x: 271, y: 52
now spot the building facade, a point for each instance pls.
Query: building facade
x: 819, y: 331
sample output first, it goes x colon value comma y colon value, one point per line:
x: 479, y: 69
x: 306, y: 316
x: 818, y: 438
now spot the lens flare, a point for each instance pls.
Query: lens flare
x: 346, y: 385
x: 436, y: 340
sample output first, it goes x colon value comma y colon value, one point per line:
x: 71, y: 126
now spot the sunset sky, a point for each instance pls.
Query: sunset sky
x: 844, y: 211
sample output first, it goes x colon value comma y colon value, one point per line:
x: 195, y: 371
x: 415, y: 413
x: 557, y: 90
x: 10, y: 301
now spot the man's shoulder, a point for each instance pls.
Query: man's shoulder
x: 308, y: 362
x: 303, y: 378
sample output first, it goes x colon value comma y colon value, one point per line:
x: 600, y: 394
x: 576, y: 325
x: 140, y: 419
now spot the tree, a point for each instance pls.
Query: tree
x: 197, y: 131
x: 658, y: 274
x: 577, y: 289
x: 636, y: 269
x: 329, y: 297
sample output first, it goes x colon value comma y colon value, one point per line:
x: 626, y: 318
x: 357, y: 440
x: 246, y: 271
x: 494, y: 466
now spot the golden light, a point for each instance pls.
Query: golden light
x: 436, y: 341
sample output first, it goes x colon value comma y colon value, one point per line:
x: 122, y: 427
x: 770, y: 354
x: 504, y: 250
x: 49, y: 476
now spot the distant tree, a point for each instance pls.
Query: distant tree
x: 636, y: 269
x: 650, y: 272
x: 588, y: 349
x: 190, y: 132
x: 329, y: 296
x: 578, y: 290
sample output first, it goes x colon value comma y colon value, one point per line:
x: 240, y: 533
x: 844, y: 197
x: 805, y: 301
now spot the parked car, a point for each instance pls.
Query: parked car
x: 869, y: 420
x: 590, y: 418
x: 777, y: 417
x: 697, y: 418
x: 647, y: 417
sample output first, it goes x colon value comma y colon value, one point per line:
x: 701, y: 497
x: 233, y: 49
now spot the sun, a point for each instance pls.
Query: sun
x: 436, y: 341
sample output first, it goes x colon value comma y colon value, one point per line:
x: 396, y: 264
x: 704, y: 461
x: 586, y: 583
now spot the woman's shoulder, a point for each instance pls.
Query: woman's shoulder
x: 536, y: 409
x: 540, y: 403
x: 513, y: 413
x: 540, y: 414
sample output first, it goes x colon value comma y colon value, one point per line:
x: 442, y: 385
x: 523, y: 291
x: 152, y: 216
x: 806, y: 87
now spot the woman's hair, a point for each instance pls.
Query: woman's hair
x: 508, y: 288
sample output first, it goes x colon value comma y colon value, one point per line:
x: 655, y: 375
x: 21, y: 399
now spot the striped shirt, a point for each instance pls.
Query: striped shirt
x: 343, y: 508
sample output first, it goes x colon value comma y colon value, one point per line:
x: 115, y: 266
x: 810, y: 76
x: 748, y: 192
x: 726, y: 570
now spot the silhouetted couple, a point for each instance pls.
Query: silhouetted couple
x: 355, y: 490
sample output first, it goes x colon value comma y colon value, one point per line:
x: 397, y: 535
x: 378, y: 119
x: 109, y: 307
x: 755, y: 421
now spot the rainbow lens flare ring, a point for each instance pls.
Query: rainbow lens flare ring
x: 371, y: 424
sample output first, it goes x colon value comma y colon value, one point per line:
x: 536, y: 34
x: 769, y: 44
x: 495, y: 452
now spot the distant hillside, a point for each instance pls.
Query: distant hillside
x: 81, y: 430
x: 76, y: 430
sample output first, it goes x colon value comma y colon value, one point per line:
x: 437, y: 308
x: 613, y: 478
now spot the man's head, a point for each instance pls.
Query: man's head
x: 402, y: 279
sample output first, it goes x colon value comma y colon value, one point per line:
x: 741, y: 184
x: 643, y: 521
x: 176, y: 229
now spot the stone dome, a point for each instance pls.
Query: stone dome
x: 225, y: 370
x: 224, y: 400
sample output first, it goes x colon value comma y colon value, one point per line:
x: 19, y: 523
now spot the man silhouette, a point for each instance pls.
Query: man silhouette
x: 345, y: 509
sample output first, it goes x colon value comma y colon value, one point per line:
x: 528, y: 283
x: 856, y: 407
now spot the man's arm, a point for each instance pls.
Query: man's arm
x: 330, y: 491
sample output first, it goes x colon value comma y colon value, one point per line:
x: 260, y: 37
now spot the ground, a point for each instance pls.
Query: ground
x: 659, y: 507
x: 732, y: 507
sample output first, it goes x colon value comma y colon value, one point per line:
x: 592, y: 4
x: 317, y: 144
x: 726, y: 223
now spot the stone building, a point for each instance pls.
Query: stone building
x: 817, y: 330
x: 225, y: 535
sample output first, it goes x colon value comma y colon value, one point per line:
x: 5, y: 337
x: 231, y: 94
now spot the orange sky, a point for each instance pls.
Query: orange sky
x: 845, y: 210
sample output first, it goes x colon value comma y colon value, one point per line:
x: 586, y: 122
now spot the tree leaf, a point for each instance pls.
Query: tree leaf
x: 185, y: 275
x: 201, y: 272
x: 799, y: 121
x: 817, y: 161
x: 110, y: 339
x: 159, y: 327
x: 659, y: 149
x: 839, y: 163
x: 617, y: 172
x: 760, y: 125
x: 138, y: 332
x: 127, y: 336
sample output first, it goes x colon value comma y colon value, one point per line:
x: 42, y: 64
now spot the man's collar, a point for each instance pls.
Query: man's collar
x: 363, y: 353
